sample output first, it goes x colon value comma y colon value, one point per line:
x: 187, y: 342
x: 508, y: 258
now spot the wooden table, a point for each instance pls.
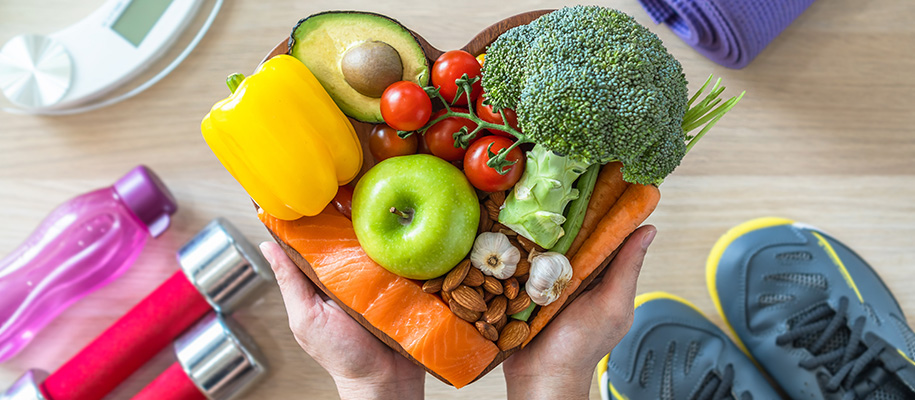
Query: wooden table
x: 825, y: 135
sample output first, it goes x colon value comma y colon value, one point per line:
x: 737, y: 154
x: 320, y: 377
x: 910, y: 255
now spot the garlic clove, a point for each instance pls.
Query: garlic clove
x: 494, y: 254
x: 550, y: 274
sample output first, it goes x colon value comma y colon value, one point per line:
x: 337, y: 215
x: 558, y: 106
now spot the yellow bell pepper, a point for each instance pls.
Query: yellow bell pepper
x: 283, y: 139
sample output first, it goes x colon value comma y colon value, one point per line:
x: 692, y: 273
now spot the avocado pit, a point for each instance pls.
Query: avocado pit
x: 370, y: 67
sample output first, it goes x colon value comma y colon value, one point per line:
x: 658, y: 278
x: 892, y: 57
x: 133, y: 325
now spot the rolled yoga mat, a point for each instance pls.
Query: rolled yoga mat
x: 729, y: 32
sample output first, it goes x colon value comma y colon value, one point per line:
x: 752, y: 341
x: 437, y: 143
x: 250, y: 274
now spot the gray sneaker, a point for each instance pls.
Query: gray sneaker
x: 672, y: 352
x: 811, y: 312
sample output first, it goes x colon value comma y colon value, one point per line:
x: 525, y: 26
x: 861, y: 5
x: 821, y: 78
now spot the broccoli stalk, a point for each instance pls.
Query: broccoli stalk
x: 534, y: 207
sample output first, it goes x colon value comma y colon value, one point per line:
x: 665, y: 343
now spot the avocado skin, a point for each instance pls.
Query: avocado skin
x: 351, y: 102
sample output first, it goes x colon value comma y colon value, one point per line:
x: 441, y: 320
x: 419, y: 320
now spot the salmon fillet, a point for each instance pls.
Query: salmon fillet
x: 420, y: 322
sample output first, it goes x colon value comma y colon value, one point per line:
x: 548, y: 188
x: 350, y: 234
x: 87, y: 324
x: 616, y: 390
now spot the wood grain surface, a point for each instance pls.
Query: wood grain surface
x: 825, y: 135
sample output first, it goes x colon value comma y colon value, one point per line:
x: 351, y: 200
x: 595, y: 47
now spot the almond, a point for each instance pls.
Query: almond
x: 469, y: 298
x: 501, y: 323
x: 511, y: 234
x: 496, y: 310
x: 433, y: 285
x: 474, y: 277
x: 492, y: 209
x: 488, y: 331
x: 485, y: 221
x: 462, y: 312
x: 456, y: 276
x: 446, y: 296
x: 492, y: 285
x: 523, y: 268
x: 487, y: 297
x: 496, y: 227
x: 513, y: 334
x: 481, y: 292
x: 497, y: 197
x: 518, y: 304
x: 511, y: 288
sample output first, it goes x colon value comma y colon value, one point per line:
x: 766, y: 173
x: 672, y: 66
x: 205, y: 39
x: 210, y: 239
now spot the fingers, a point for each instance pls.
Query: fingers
x: 298, y: 293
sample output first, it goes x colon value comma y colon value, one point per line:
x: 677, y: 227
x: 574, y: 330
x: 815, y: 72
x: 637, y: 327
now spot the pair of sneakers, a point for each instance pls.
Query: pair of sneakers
x: 803, y: 307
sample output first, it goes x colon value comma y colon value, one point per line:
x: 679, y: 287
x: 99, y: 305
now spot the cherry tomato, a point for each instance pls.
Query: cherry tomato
x: 384, y: 143
x: 423, y: 147
x: 440, y: 137
x: 405, y: 106
x: 486, y: 113
x: 343, y: 201
x: 450, y: 66
x: 486, y: 178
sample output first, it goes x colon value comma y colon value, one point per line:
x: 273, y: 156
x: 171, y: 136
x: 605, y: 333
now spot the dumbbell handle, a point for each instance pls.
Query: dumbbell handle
x: 128, y: 344
x: 173, y: 384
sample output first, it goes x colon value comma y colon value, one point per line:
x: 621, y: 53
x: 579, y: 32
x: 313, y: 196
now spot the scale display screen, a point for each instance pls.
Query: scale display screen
x: 138, y: 19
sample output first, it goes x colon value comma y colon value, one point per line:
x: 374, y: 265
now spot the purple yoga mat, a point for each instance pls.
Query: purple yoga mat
x: 729, y: 32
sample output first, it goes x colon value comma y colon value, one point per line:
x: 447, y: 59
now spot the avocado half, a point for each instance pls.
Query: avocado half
x: 321, y: 41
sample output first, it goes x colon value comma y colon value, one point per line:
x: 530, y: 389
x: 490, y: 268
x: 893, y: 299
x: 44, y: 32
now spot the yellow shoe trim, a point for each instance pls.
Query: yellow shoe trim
x: 714, y: 258
x: 639, y: 300
x: 838, y: 262
x: 902, y: 353
x: 616, y: 395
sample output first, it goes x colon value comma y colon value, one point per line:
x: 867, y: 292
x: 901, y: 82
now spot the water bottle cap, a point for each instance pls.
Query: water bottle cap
x: 148, y: 198
x: 219, y: 357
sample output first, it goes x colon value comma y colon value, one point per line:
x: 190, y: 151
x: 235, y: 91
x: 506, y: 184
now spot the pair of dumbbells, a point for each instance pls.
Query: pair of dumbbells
x: 220, y: 271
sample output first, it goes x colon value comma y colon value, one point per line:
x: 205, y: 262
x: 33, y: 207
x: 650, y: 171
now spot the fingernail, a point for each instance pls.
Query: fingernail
x: 648, y: 238
x: 267, y: 254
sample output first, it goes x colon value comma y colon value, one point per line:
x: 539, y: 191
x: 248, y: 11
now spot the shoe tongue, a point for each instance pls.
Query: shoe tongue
x: 893, y: 389
x: 709, y: 385
x: 889, y: 385
x: 838, y: 341
x: 898, y: 385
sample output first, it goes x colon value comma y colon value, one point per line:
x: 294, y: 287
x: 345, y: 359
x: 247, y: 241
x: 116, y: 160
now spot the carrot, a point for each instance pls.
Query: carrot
x: 633, y: 207
x: 609, y: 187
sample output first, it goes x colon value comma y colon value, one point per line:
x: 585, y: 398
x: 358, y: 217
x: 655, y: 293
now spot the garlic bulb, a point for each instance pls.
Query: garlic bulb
x: 551, y: 273
x: 494, y: 255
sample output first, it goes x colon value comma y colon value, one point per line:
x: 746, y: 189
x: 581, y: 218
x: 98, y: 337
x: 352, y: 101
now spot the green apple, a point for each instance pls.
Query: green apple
x: 415, y: 215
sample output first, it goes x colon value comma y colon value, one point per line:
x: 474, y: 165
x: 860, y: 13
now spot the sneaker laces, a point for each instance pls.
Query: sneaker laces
x: 718, y: 387
x: 848, y: 360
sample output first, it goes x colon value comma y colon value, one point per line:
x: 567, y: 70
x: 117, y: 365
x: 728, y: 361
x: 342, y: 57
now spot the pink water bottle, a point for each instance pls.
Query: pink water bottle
x: 81, y: 246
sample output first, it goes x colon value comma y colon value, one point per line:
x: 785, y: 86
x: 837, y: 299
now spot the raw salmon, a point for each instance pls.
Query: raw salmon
x: 420, y: 322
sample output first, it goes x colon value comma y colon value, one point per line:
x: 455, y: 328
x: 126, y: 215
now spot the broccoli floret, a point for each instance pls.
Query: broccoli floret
x: 593, y: 84
x: 506, y: 82
x: 590, y: 85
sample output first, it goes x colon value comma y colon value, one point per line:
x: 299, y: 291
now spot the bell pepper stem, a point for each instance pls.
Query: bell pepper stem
x: 234, y: 80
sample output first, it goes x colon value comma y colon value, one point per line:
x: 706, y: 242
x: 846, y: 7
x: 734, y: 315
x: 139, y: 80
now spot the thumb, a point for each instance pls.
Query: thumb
x: 299, y: 295
x: 617, y: 290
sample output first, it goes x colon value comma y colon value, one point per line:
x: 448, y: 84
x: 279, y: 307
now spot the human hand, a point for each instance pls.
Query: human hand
x: 361, y: 365
x: 558, y: 364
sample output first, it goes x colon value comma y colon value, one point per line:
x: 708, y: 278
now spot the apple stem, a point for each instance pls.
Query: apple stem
x: 404, y: 215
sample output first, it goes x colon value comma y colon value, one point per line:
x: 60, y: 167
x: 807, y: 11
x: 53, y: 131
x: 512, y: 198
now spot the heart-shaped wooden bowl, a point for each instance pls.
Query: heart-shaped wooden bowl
x: 476, y: 46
